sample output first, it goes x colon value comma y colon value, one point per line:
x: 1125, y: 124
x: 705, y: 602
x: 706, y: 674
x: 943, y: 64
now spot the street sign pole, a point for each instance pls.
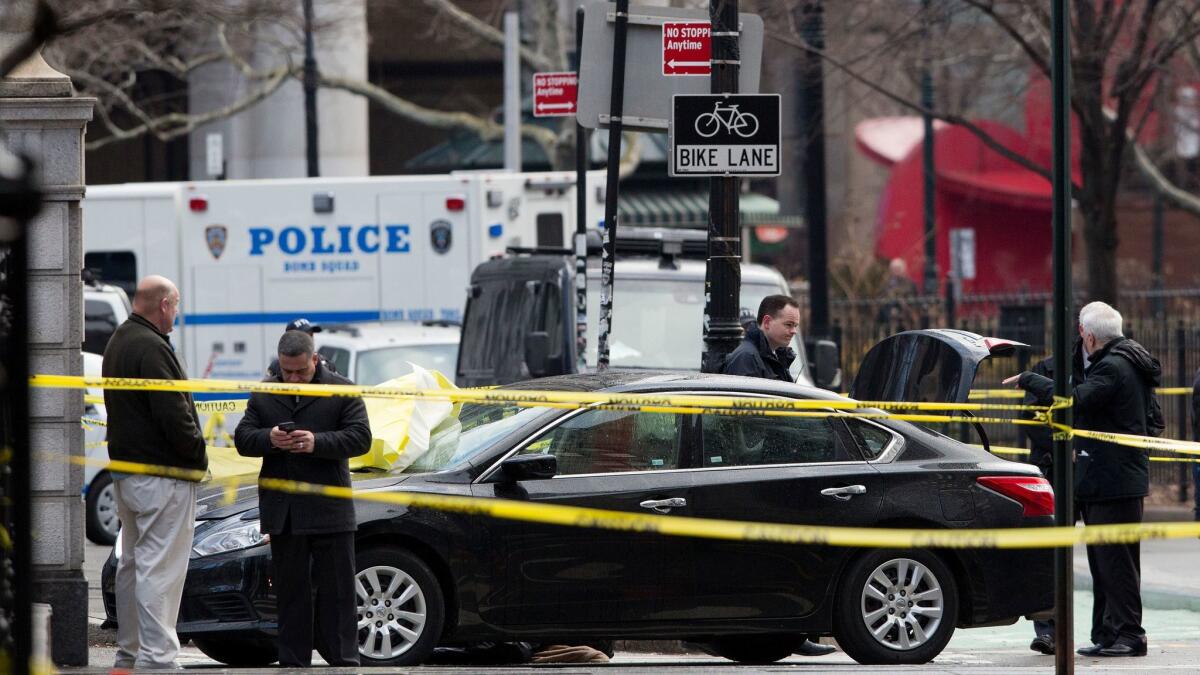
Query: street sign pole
x: 609, y: 255
x: 1060, y: 82
x: 723, y: 276
x: 812, y: 104
x: 581, y: 165
x: 310, y: 96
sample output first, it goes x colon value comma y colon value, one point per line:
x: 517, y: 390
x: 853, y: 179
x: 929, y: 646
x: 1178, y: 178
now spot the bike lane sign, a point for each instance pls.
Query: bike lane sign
x: 725, y: 135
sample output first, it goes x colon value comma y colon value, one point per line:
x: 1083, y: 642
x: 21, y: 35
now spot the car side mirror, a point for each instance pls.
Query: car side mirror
x: 529, y: 467
x: 537, y: 347
x: 827, y: 371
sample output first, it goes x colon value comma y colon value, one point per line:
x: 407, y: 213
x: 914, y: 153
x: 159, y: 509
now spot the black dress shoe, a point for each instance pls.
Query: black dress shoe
x: 1122, y: 649
x: 1090, y: 650
x: 1043, y: 644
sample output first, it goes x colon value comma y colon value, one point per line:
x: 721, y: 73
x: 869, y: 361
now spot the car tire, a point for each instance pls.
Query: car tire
x: 101, y: 508
x: 754, y: 650
x: 384, y: 575
x: 869, y: 622
x: 239, y: 652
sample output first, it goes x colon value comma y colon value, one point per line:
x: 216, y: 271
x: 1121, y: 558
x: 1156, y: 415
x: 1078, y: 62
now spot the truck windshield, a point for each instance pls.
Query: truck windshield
x: 657, y: 323
x: 475, y: 429
x: 380, y: 365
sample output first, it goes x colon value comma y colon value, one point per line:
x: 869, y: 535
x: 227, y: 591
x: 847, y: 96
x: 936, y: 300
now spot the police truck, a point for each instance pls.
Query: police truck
x: 251, y: 255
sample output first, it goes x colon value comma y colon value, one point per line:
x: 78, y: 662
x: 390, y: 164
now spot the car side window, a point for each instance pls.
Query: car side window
x: 612, y: 441
x: 872, y: 439
x: 735, y: 440
x: 340, y: 358
x: 99, y: 323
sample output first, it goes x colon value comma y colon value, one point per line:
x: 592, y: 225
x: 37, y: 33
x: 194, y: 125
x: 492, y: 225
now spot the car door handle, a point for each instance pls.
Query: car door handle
x: 663, y: 505
x: 845, y: 493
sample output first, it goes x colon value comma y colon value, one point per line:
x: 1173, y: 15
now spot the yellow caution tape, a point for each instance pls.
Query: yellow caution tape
x: 1145, y: 442
x: 202, y: 407
x: 663, y: 402
x: 221, y: 407
x: 709, y: 528
x: 978, y: 394
x: 1001, y: 450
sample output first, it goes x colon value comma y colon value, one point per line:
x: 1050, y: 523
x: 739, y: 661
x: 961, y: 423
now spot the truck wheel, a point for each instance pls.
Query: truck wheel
x: 101, y: 508
x: 238, y: 651
x: 896, y: 607
x: 401, y: 609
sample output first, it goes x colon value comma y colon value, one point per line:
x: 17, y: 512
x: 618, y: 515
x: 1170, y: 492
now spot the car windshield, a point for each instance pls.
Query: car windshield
x: 475, y: 429
x: 380, y: 365
x: 657, y: 323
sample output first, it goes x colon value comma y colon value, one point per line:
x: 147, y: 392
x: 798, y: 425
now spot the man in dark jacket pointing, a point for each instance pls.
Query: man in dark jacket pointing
x: 312, y: 537
x: 1115, y: 395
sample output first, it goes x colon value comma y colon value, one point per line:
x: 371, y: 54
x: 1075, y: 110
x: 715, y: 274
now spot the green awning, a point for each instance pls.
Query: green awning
x: 662, y: 208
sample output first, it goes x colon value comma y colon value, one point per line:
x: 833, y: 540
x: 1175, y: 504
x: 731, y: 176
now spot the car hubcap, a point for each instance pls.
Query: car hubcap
x: 902, y: 604
x: 106, y: 510
x: 391, y: 612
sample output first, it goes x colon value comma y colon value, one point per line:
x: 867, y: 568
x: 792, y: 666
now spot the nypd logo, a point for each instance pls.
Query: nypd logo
x: 441, y: 235
x: 216, y: 236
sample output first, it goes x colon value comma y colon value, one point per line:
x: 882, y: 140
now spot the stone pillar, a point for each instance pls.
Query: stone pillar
x: 40, y: 117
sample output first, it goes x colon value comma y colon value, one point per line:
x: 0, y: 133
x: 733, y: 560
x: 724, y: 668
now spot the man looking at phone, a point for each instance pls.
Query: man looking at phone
x: 308, y: 439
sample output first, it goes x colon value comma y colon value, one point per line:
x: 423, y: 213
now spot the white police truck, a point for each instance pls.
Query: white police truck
x: 251, y: 255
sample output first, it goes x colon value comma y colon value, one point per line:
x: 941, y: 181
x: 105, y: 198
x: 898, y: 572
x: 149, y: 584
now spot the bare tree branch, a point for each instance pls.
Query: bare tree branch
x: 172, y: 125
x: 959, y: 120
x: 1150, y: 171
x: 487, y: 33
x: 438, y: 119
x: 989, y: 9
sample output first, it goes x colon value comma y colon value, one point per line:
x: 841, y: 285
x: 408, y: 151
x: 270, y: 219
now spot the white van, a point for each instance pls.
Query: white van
x: 249, y: 256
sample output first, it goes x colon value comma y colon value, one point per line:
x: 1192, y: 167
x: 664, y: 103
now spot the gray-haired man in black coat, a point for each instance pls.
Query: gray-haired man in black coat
x: 312, y: 537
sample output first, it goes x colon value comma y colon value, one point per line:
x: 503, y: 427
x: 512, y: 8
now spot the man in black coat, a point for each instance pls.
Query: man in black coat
x: 1111, y: 481
x: 157, y: 511
x: 312, y: 537
x: 764, y: 351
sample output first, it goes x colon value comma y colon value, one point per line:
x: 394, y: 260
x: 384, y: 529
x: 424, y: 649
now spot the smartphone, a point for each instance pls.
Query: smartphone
x: 287, y: 427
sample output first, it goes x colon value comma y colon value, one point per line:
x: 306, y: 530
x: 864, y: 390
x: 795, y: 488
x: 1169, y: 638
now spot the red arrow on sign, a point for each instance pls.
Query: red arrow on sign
x: 687, y: 48
x: 554, y: 94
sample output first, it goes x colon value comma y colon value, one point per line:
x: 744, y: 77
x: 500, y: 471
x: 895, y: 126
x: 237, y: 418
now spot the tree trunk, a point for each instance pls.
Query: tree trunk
x: 1100, y: 241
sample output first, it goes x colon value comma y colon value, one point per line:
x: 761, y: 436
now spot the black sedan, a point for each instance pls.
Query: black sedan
x: 427, y: 577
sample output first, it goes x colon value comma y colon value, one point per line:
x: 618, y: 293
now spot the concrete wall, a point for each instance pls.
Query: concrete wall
x: 40, y: 118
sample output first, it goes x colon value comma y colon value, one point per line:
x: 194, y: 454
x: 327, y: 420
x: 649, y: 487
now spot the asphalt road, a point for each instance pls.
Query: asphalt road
x: 1172, y: 621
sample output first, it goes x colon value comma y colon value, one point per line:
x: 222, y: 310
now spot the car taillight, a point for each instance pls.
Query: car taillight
x: 198, y: 204
x: 1034, y: 493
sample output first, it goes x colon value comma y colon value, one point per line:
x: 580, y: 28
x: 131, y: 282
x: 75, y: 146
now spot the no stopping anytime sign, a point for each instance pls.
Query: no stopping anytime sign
x: 725, y: 135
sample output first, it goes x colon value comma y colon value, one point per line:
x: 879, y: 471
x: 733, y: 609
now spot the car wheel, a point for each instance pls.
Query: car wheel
x: 400, y: 608
x: 239, y: 652
x: 896, y: 607
x: 754, y: 649
x: 101, y: 506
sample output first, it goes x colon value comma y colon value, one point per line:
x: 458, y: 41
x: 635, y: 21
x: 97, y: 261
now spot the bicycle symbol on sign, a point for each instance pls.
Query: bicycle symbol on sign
x: 729, y: 118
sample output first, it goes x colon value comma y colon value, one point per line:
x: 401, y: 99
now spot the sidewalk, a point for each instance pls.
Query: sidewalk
x: 1168, y: 565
